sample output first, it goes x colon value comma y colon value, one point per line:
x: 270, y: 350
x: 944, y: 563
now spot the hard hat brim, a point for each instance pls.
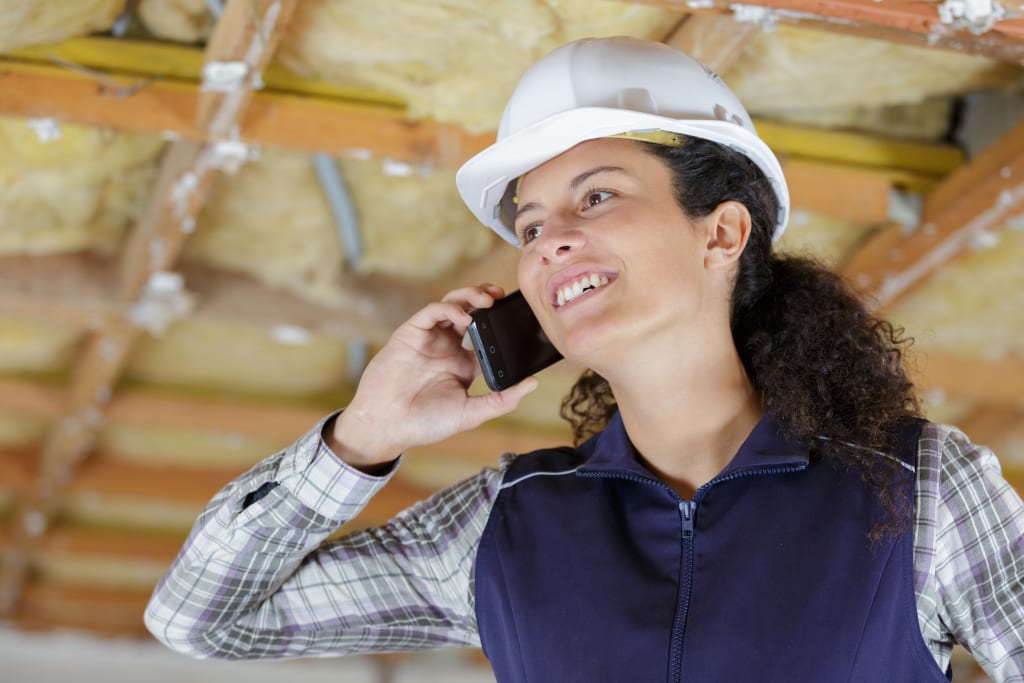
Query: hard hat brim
x: 482, y: 180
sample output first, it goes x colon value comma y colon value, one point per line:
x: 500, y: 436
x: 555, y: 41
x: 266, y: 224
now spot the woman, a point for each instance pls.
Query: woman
x: 759, y: 499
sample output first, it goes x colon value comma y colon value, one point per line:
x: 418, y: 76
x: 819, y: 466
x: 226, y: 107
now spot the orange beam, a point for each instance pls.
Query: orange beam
x: 990, y: 423
x: 316, y: 125
x: 845, y: 192
x: 79, y: 289
x: 974, y: 201
x: 105, y: 611
x: 715, y: 40
x: 907, y: 21
x: 989, y: 382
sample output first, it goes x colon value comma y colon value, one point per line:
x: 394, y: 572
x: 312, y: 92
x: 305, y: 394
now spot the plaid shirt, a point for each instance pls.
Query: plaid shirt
x: 262, y: 580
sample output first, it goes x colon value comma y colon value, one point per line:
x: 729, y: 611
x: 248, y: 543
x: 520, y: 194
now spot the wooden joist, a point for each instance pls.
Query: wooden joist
x: 716, y: 40
x: 969, y: 208
x: 987, y: 382
x: 103, y: 611
x: 242, y: 45
x: 903, y: 21
x: 79, y: 289
x: 316, y: 125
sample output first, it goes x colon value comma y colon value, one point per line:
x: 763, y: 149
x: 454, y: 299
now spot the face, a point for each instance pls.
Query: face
x: 610, y: 264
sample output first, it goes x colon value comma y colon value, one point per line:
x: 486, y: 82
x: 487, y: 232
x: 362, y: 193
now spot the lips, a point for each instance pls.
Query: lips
x: 570, y: 285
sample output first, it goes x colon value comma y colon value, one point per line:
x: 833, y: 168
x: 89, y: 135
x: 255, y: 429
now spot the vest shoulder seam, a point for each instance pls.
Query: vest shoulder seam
x: 905, y: 465
x: 518, y: 480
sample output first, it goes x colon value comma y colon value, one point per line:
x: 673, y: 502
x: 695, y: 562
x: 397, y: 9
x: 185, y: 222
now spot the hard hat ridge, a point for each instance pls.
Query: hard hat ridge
x: 601, y: 87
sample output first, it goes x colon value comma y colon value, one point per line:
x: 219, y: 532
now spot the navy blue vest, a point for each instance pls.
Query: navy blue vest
x: 590, y: 569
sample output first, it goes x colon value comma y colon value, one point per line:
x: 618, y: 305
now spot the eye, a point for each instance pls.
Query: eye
x: 595, y: 197
x: 530, y: 233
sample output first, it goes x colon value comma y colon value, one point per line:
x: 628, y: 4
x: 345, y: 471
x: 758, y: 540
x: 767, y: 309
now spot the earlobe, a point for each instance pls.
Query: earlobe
x: 729, y: 229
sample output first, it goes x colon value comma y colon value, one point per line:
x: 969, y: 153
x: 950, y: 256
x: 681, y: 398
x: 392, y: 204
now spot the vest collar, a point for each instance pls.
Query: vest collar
x: 611, y: 451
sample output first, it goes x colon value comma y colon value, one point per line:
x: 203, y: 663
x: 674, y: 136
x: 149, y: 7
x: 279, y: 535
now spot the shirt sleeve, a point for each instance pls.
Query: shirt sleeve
x: 970, y: 547
x: 265, y: 580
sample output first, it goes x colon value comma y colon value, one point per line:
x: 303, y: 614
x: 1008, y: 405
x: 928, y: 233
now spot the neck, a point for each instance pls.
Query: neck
x: 687, y: 421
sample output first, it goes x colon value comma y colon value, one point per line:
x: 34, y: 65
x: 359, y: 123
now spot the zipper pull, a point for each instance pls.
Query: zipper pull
x: 686, y: 509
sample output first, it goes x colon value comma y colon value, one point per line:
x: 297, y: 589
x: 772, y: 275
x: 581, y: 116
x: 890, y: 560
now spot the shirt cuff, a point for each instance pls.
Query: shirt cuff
x: 324, y: 482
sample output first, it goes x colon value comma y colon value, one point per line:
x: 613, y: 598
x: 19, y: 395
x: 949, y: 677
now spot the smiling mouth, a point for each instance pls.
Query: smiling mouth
x: 578, y: 287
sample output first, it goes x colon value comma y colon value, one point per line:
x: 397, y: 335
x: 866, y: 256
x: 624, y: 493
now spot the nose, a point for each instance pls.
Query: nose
x: 561, y: 238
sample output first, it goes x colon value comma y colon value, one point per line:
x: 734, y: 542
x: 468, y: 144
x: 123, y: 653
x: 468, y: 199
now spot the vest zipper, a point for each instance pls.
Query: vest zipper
x: 686, y: 510
x: 687, y: 514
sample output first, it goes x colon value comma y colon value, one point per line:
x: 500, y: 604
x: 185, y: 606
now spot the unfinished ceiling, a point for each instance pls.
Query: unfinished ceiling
x: 185, y: 288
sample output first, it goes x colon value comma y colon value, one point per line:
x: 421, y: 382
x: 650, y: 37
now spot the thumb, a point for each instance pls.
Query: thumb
x: 480, y: 409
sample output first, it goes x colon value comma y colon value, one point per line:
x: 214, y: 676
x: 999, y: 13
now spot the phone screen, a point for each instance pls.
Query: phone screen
x: 509, y: 342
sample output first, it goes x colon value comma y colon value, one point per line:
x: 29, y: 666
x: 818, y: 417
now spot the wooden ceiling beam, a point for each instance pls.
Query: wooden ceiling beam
x: 714, y: 39
x: 85, y: 542
x: 990, y: 424
x: 17, y: 466
x: 78, y: 289
x: 149, y: 407
x: 315, y: 125
x: 992, y: 382
x: 240, y: 47
x: 903, y: 21
x: 967, y: 210
x: 848, y: 193
x: 313, y: 119
x: 106, y: 611
x: 987, y: 382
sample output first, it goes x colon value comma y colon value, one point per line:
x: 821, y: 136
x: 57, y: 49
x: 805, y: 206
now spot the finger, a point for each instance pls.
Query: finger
x: 480, y: 409
x: 470, y: 298
x: 441, y: 313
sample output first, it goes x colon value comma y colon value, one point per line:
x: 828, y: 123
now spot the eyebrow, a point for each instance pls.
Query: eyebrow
x: 573, y: 186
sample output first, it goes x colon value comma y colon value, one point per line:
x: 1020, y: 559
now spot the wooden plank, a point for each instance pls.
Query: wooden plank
x: 845, y: 192
x: 68, y: 288
x: 17, y: 467
x: 990, y: 382
x: 124, y: 545
x: 20, y: 396
x: 241, y: 46
x: 859, y: 149
x: 975, y: 202
x: 79, y: 289
x: 367, y: 308
x: 716, y: 40
x: 107, y: 611
x: 156, y: 240
x: 481, y: 446
x: 165, y: 61
x: 315, y: 125
x: 340, y: 127
x: 153, y: 246
x: 989, y: 424
x: 904, y: 21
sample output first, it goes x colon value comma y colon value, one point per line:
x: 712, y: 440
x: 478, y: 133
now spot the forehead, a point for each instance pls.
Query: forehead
x: 627, y: 155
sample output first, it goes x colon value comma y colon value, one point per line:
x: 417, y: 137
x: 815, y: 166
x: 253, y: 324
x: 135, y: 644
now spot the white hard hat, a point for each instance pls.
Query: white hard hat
x: 601, y: 87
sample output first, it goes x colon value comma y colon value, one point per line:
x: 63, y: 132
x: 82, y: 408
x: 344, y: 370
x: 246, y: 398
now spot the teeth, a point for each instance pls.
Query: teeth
x: 583, y: 284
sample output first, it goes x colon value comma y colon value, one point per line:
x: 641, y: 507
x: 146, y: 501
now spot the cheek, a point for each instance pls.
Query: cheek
x: 529, y: 281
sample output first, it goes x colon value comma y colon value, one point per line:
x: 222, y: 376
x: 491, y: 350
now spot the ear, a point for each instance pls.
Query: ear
x: 728, y: 229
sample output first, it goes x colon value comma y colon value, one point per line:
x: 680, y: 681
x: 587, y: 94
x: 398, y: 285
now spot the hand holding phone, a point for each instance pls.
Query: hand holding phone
x: 509, y: 342
x: 414, y: 391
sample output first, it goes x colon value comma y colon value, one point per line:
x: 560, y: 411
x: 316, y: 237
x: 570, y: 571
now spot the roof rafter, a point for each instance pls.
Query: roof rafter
x: 242, y: 44
x: 969, y: 208
x: 78, y: 289
x: 714, y: 39
x: 904, y: 21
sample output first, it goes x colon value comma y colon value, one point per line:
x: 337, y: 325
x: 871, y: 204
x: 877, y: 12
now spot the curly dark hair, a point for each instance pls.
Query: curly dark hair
x: 830, y: 372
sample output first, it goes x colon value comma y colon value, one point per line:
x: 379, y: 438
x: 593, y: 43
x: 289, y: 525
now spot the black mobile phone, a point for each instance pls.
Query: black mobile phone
x: 509, y: 342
